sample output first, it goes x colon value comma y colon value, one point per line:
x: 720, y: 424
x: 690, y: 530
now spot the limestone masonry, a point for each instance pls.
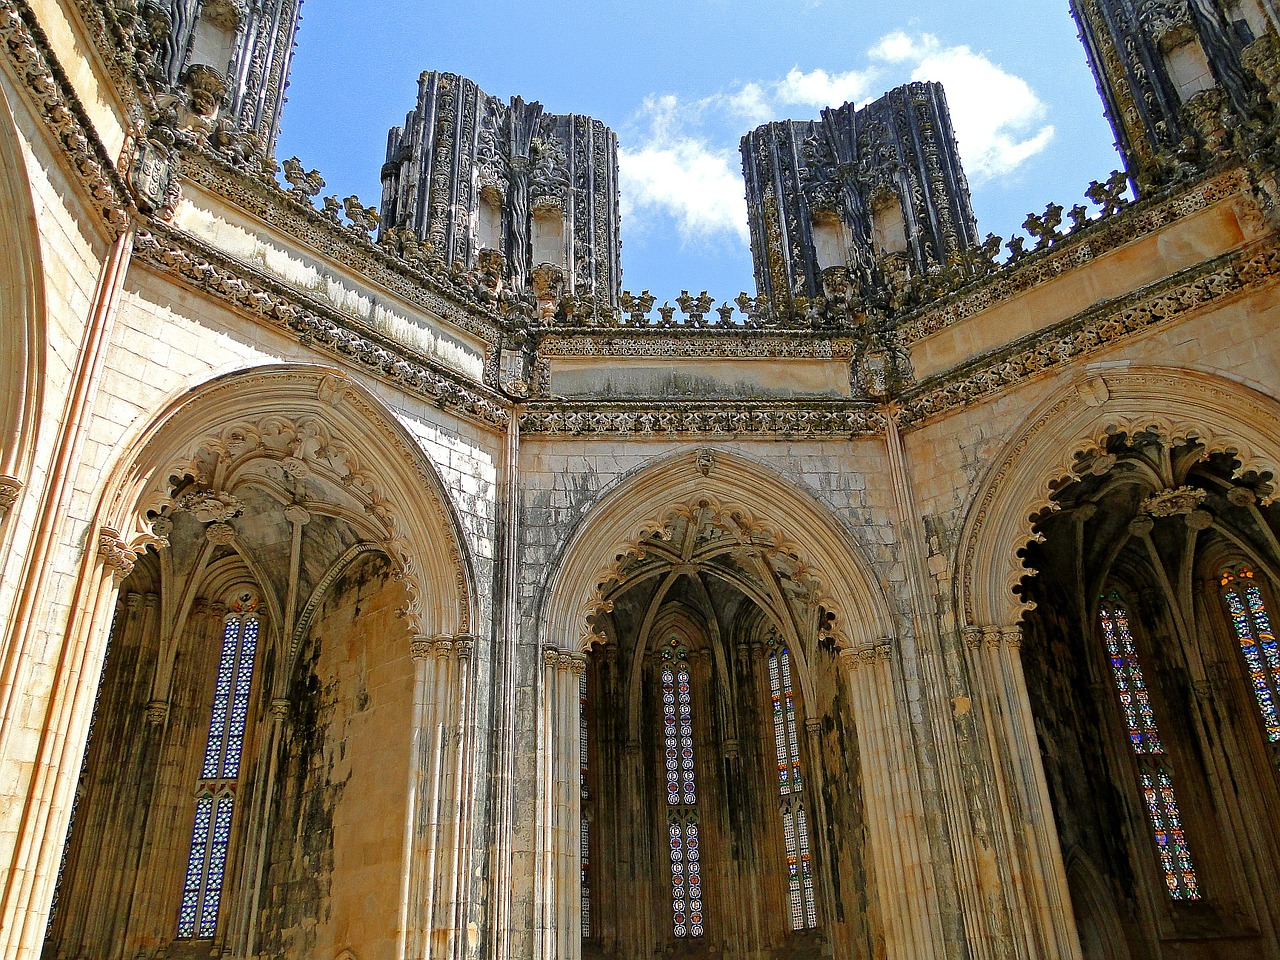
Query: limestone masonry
x: 390, y: 584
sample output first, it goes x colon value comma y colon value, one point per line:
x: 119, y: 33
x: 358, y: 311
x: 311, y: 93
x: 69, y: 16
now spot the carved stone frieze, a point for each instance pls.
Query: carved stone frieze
x: 247, y: 291
x: 1102, y: 237
x: 438, y: 293
x: 55, y: 101
x: 1099, y: 327
x: 847, y: 419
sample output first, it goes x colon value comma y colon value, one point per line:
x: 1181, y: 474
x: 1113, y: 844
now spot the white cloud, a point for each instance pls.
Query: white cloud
x: 998, y: 119
x: 682, y: 176
x: 680, y: 169
x: 819, y: 89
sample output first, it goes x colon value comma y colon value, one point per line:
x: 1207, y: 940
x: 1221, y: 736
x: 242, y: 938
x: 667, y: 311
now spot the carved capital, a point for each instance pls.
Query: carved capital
x: 156, y: 712
x: 420, y: 647
x: 115, y: 554
x: 550, y: 657
x: 813, y: 725
x: 464, y: 646
x: 297, y: 514
x: 280, y: 708
x: 10, y: 487
x: 972, y: 637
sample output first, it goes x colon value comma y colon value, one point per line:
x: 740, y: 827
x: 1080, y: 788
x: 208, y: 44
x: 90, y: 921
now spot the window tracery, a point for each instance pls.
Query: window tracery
x: 216, y: 788
x: 1155, y: 774
x: 1252, y: 624
x: 795, y: 826
x: 682, y: 791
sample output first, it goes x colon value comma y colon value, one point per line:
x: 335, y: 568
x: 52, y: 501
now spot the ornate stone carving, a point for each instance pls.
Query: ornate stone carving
x: 207, y: 87
x: 205, y: 270
x: 10, y: 488
x: 706, y: 419
x: 220, y: 534
x: 1169, y: 503
x: 115, y: 554
x: 157, y: 712
x: 56, y: 102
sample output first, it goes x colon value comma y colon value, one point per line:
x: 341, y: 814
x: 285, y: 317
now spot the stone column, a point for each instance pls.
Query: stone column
x: 1037, y: 896
x: 906, y: 901
x: 416, y: 902
x: 560, y: 887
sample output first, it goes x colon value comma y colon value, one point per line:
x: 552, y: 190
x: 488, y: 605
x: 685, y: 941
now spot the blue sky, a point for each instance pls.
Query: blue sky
x: 681, y: 83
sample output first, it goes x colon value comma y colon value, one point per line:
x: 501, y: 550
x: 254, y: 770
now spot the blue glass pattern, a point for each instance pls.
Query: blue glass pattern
x: 1257, y: 643
x: 215, y: 808
x: 194, y: 884
x: 1130, y: 684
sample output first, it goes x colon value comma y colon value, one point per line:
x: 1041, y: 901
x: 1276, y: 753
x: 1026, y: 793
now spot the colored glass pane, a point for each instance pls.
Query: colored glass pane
x: 228, y: 720
x: 1130, y: 684
x: 682, y: 794
x: 795, y: 829
x: 1171, y: 843
x: 194, y: 884
x: 1257, y: 641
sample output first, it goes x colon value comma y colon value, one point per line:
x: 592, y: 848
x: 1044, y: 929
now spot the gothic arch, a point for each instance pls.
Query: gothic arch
x: 640, y: 503
x: 1176, y: 405
x: 22, y: 334
x: 308, y: 418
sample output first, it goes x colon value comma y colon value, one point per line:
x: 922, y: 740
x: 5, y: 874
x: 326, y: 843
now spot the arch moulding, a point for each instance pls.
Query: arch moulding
x: 337, y: 426
x: 1174, y: 404
x: 640, y: 504
x: 22, y: 334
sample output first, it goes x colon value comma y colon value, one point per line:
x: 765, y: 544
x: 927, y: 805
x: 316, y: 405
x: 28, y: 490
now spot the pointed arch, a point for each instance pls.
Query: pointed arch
x: 307, y: 418
x: 638, y: 504
x: 22, y: 334
x: 1175, y: 405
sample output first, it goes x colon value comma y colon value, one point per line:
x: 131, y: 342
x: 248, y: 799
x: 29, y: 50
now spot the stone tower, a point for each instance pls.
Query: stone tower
x: 231, y: 57
x: 876, y: 195
x: 507, y: 187
x: 1171, y: 72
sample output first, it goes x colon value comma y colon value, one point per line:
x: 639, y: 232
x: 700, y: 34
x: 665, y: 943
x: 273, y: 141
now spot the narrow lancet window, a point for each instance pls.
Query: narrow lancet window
x: 682, y: 792
x: 1257, y: 641
x: 216, y: 789
x: 1155, y: 775
x: 795, y: 825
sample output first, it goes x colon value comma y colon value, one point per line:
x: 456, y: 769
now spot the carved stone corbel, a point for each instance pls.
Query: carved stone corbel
x: 116, y: 555
x: 10, y: 487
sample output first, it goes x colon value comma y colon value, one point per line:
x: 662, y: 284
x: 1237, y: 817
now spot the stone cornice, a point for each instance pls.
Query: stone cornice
x: 781, y: 420
x: 108, y: 35
x: 43, y: 81
x: 1097, y: 328
x: 755, y: 344
x: 1072, y: 251
x: 250, y: 292
x: 298, y: 219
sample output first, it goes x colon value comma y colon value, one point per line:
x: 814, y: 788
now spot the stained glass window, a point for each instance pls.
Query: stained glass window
x: 682, y: 792
x: 215, y: 792
x: 1127, y: 673
x: 1257, y: 641
x: 1155, y: 777
x: 795, y: 827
